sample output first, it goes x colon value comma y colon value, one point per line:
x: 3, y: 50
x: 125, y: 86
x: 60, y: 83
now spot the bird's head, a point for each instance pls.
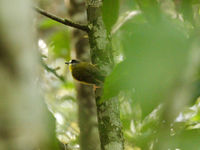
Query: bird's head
x: 72, y: 62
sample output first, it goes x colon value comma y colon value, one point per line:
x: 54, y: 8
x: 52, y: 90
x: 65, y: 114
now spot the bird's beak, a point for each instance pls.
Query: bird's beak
x: 67, y: 63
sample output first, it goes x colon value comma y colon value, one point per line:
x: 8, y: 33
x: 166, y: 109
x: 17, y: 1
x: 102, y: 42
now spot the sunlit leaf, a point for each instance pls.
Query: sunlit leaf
x: 48, y: 23
x: 60, y: 44
x: 190, y: 117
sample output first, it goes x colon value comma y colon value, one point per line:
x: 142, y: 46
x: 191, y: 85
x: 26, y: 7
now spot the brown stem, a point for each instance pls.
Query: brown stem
x: 53, y: 71
x: 63, y: 21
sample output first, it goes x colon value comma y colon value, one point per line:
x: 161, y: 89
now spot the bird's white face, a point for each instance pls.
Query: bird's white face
x: 72, y: 62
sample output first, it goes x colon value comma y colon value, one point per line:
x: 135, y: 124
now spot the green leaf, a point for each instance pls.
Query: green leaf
x: 185, y: 140
x: 150, y: 9
x: 60, y: 43
x: 48, y: 23
x: 185, y: 8
x: 156, y: 56
x: 110, y: 12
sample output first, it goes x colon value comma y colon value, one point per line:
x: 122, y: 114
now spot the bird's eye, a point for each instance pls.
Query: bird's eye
x: 73, y: 61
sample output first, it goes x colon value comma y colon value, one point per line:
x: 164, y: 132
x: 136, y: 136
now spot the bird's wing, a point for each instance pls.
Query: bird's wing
x: 96, y: 72
x: 88, y: 73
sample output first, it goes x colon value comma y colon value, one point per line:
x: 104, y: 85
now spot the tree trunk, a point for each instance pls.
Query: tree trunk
x: 110, y: 127
x: 89, y: 135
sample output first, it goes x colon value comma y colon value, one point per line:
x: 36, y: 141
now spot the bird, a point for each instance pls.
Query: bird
x: 86, y: 73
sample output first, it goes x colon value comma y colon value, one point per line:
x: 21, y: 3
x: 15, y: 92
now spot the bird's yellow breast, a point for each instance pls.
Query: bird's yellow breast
x: 70, y: 68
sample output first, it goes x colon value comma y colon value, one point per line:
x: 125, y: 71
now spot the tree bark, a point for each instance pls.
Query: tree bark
x: 89, y: 134
x: 110, y: 127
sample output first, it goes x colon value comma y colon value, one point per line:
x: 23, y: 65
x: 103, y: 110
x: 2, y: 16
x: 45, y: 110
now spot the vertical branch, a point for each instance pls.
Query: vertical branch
x: 110, y: 127
x: 89, y: 134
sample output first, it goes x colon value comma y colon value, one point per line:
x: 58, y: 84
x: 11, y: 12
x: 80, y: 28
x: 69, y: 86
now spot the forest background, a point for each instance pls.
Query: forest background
x: 149, y: 51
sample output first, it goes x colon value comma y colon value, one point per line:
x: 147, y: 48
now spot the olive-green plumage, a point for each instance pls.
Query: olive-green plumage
x: 86, y: 73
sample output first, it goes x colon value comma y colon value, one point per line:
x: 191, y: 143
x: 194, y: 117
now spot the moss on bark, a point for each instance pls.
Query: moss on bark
x: 110, y: 128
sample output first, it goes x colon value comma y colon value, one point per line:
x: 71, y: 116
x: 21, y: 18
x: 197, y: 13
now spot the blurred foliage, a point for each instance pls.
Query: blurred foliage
x: 154, y: 49
x: 110, y: 15
x: 60, y: 44
x: 155, y: 58
x: 46, y: 23
x: 58, y: 40
x: 154, y: 44
x: 56, y: 81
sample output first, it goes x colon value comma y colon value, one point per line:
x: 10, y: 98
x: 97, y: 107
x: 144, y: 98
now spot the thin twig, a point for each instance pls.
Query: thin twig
x: 63, y: 21
x: 61, y: 78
